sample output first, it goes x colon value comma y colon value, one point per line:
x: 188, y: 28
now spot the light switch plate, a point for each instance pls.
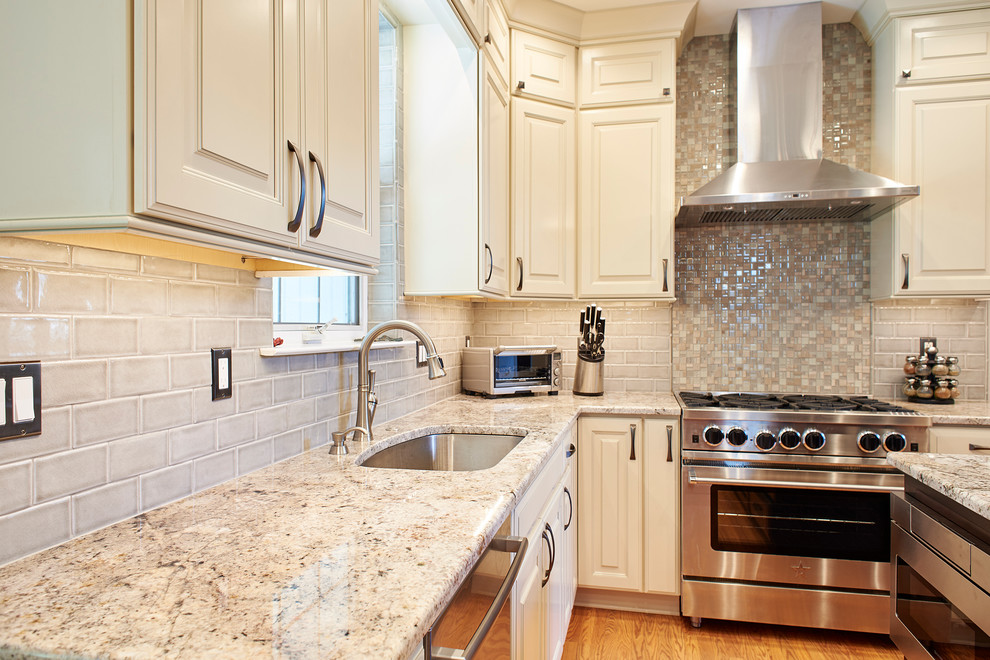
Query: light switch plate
x: 220, y: 358
x: 21, y: 380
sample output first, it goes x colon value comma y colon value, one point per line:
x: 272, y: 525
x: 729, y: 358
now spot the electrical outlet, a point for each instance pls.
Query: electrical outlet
x: 220, y: 358
x: 420, y: 354
x: 925, y: 343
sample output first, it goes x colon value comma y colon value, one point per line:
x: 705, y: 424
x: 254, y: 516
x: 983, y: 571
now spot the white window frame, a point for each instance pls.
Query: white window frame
x: 302, y: 334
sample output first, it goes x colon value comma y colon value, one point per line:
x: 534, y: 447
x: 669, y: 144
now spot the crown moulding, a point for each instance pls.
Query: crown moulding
x: 875, y: 15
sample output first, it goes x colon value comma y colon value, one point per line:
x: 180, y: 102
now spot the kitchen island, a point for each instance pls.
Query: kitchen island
x: 314, y: 556
x: 962, y: 478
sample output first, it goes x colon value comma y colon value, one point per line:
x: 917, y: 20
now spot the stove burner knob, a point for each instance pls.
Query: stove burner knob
x: 869, y: 442
x: 814, y: 440
x: 737, y: 437
x: 765, y: 440
x: 894, y: 442
x: 713, y: 436
x: 790, y: 439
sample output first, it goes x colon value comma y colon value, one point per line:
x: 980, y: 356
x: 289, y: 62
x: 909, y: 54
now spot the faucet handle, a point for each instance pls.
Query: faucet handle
x: 338, y: 443
x: 371, y: 380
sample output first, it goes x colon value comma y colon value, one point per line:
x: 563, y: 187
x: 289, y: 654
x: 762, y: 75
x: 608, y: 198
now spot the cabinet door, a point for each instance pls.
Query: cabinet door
x: 661, y: 497
x: 943, y: 46
x: 610, y: 518
x: 943, y: 145
x: 543, y: 200
x: 557, y: 613
x: 960, y: 440
x: 497, y: 39
x: 217, y: 155
x: 529, y: 607
x: 472, y: 13
x: 637, y: 72
x: 494, y: 258
x: 341, y: 56
x: 570, y: 543
x: 543, y: 68
x: 627, y: 202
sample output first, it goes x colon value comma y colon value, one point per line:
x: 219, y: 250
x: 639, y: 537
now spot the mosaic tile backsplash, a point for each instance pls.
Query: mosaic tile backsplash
x: 762, y: 307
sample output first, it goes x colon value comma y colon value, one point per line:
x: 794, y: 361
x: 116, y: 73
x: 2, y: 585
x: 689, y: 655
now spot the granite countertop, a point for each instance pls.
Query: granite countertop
x: 311, y: 557
x: 960, y: 477
x: 960, y: 413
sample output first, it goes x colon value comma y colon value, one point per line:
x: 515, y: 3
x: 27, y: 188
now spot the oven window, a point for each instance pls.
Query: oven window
x: 934, y: 621
x: 522, y: 369
x: 799, y: 522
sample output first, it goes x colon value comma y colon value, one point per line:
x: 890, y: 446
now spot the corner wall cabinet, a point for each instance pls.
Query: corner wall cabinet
x: 628, y: 520
x: 238, y: 107
x: 932, y: 78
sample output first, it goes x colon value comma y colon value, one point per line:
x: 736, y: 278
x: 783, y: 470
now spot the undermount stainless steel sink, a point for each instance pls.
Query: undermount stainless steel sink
x: 452, y: 452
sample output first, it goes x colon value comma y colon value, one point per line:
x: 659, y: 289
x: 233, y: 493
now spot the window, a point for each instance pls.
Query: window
x: 337, y: 303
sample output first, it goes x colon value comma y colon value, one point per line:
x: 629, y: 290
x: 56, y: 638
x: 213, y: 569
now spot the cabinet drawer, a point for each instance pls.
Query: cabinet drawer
x: 960, y: 440
x: 642, y: 71
x: 543, y: 68
x: 941, y: 46
x: 534, y: 501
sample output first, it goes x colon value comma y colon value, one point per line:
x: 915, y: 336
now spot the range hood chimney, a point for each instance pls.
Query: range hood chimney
x: 781, y: 175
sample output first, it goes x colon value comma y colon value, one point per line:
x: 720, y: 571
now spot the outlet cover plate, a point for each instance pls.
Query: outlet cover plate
x: 222, y: 380
x: 8, y: 372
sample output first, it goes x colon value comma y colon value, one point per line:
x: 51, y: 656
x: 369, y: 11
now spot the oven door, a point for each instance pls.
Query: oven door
x: 523, y: 370
x: 936, y: 611
x: 800, y: 527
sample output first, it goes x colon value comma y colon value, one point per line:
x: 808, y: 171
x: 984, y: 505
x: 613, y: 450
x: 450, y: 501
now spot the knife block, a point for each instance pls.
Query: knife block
x: 589, y: 377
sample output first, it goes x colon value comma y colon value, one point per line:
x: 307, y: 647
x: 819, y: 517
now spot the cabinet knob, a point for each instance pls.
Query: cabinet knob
x: 521, y: 84
x: 488, y: 38
x: 666, y: 91
x: 906, y: 73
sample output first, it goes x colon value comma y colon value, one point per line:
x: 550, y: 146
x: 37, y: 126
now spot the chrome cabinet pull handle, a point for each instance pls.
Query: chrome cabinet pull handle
x: 570, y: 515
x: 491, y: 263
x: 905, y: 259
x: 294, y: 224
x: 546, y: 537
x: 315, y: 230
x: 571, y: 450
x: 665, y: 275
x: 973, y: 447
x: 632, y: 447
x: 670, y: 439
x: 520, y: 285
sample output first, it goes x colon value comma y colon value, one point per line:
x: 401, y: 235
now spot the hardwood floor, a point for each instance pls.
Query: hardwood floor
x: 604, y: 634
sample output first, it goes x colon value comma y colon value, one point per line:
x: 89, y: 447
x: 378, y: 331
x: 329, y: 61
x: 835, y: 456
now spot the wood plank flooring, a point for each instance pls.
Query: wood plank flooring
x: 611, y: 634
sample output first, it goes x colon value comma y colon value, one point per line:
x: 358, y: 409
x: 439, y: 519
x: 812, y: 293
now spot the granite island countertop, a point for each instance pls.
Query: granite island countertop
x: 311, y: 557
x: 960, y: 477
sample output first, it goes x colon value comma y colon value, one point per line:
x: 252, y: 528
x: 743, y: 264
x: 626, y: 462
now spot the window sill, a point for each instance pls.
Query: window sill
x: 329, y: 347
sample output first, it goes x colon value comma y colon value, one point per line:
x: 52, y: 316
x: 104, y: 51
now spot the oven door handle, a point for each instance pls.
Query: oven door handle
x: 518, y: 545
x: 693, y: 478
x: 526, y: 350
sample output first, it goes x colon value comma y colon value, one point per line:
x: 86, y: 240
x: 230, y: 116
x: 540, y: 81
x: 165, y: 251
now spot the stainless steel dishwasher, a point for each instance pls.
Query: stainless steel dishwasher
x: 478, y: 621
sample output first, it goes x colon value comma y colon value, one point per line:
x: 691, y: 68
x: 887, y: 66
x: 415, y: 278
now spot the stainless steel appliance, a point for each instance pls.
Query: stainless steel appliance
x: 940, y: 558
x: 785, y: 507
x: 478, y: 622
x: 510, y: 370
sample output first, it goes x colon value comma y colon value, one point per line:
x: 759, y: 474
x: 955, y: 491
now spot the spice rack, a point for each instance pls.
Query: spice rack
x: 931, y: 378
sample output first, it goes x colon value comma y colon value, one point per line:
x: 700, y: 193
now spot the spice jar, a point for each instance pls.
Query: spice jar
x: 940, y: 368
x: 953, y: 388
x: 910, y: 388
x: 942, y: 389
x: 953, y: 364
x: 925, y: 390
x: 924, y: 368
x: 910, y: 364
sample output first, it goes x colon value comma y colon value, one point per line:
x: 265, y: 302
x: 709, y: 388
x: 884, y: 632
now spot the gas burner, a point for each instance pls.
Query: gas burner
x: 699, y: 400
x: 751, y: 401
x: 880, y: 406
x: 821, y: 402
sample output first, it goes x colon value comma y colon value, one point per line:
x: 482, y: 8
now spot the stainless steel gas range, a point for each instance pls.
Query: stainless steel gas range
x: 785, y: 507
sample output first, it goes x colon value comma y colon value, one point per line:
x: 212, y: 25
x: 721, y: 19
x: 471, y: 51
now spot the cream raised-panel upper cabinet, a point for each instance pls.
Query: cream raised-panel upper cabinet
x: 473, y: 14
x: 223, y: 77
x: 494, y: 228
x: 943, y: 141
x: 626, y: 222
x: 341, y: 131
x: 497, y: 38
x: 945, y: 46
x: 610, y: 518
x: 543, y: 68
x: 543, y: 200
x: 628, y: 480
x: 626, y: 73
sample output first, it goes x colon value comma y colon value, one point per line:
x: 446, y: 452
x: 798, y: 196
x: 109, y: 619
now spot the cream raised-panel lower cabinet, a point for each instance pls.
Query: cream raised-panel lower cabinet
x: 544, y: 215
x: 626, y: 238
x: 947, y: 439
x: 629, y: 479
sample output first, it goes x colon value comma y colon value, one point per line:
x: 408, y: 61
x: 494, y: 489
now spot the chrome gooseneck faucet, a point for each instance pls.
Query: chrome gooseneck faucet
x: 367, y: 401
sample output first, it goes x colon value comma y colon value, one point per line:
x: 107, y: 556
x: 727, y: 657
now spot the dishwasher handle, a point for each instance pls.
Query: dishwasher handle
x: 516, y: 544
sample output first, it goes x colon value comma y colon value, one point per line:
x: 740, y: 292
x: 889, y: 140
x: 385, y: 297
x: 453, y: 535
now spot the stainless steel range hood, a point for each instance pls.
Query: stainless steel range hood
x: 781, y: 175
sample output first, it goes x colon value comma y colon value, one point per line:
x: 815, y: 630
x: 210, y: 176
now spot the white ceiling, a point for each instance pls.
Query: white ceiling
x: 715, y: 16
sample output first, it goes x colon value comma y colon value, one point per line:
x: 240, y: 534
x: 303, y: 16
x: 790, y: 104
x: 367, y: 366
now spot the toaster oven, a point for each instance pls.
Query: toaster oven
x: 510, y: 370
